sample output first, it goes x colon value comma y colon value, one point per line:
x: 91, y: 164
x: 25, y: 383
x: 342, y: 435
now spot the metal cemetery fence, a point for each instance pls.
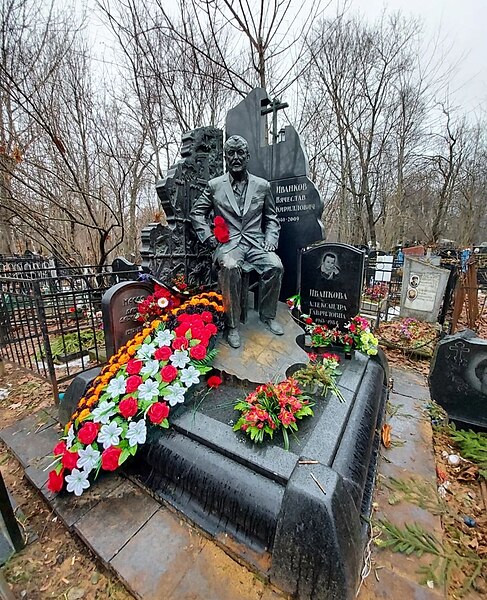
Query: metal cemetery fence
x: 52, y: 325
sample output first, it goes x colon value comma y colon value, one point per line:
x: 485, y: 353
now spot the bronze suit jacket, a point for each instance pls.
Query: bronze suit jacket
x: 256, y: 223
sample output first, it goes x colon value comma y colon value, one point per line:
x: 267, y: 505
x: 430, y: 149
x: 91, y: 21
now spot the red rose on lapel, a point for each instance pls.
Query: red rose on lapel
x: 220, y: 230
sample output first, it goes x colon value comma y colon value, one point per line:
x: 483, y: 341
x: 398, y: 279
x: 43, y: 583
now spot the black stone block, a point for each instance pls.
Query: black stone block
x: 76, y: 390
x: 266, y: 499
x: 458, y: 378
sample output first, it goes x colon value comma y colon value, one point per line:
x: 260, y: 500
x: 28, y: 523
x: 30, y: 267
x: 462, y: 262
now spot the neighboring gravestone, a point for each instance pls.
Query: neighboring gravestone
x: 331, y: 278
x: 285, y: 165
x: 458, y: 378
x: 423, y: 290
x: 119, y: 306
x: 124, y: 270
x: 173, y: 250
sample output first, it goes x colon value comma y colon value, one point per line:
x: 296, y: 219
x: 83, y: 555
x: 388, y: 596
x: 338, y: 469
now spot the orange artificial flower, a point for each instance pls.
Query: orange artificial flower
x: 84, y: 414
x: 132, y: 350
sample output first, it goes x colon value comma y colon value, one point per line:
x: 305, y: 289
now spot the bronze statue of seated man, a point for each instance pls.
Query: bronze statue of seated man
x: 249, y: 221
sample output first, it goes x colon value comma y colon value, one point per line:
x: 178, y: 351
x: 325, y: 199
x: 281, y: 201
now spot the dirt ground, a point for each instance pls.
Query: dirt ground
x: 58, y: 565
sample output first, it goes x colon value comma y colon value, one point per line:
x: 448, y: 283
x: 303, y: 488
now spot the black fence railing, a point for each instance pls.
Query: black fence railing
x: 53, y: 325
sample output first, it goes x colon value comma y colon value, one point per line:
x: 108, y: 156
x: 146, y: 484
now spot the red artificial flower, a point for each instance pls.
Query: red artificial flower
x: 211, y: 328
x: 128, y: 407
x: 134, y: 366
x: 56, y: 481
x: 308, y: 320
x: 163, y: 353
x: 110, y: 458
x: 286, y: 417
x: 69, y: 460
x: 198, y: 352
x: 158, y: 412
x: 181, y: 330
x: 214, y: 381
x: 218, y: 221
x: 88, y: 433
x: 201, y: 334
x: 59, y: 449
x: 169, y: 373
x: 132, y: 383
x: 182, y: 286
x: 206, y: 316
x: 72, y: 310
x: 180, y: 343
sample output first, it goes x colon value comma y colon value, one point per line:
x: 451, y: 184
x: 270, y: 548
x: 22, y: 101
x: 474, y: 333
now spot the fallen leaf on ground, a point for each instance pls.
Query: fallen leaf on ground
x: 386, y: 435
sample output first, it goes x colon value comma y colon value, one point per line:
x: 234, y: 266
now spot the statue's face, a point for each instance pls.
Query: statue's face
x: 236, y: 158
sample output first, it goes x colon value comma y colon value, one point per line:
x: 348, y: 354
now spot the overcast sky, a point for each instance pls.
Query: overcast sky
x: 461, y: 25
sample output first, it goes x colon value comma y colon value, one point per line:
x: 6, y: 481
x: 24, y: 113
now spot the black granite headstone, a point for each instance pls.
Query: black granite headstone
x: 285, y: 165
x: 331, y: 277
x: 458, y: 378
x: 124, y: 270
x: 119, y: 307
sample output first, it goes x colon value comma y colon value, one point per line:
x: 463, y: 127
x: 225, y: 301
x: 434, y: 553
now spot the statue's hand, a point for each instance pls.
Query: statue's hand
x: 212, y: 242
x: 269, y: 247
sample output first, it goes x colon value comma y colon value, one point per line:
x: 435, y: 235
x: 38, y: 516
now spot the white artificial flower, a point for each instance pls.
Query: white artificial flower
x: 109, y: 435
x: 77, y: 482
x: 146, y: 351
x: 148, y: 390
x: 136, y: 433
x: 180, y: 358
x: 163, y: 337
x: 190, y: 376
x: 89, y: 459
x: 70, y: 437
x: 116, y: 387
x: 150, y: 368
x: 176, y: 394
x: 103, y: 412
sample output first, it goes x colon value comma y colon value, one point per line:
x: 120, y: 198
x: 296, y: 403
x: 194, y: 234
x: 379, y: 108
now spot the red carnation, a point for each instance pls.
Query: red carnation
x: 214, y: 381
x: 88, y: 433
x: 110, y: 457
x: 134, y: 366
x: 128, y: 407
x: 132, y: 383
x: 59, y: 449
x: 206, y: 316
x: 163, y: 353
x: 222, y: 234
x: 169, y: 373
x: 308, y: 320
x: 158, y: 412
x: 55, y: 482
x: 180, y: 343
x: 218, y: 221
x: 198, y: 352
x: 69, y: 460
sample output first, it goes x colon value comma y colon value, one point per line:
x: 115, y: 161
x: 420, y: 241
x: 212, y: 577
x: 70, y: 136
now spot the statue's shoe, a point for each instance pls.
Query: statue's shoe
x: 273, y: 326
x: 233, y: 338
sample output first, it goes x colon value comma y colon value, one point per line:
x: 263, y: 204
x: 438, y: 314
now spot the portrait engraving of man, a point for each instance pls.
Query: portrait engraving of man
x: 246, y: 205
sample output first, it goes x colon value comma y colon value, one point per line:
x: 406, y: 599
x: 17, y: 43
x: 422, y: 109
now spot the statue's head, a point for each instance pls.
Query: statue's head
x: 236, y: 150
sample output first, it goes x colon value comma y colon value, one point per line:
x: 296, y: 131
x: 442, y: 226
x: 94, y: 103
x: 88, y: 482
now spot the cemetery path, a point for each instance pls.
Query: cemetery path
x: 56, y: 564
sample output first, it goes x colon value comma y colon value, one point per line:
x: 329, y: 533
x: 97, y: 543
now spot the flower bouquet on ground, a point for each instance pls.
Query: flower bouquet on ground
x: 137, y: 388
x: 273, y: 407
x: 320, y: 374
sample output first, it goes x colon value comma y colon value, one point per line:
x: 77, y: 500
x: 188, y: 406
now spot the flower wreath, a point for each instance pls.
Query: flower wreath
x: 140, y: 384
